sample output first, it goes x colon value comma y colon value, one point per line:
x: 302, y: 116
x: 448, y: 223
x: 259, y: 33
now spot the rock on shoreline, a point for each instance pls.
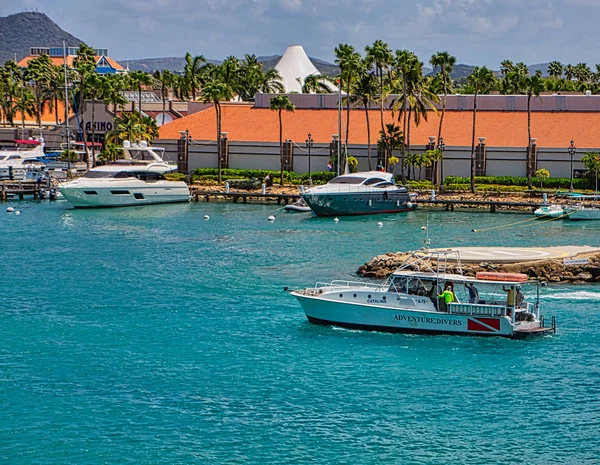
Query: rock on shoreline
x: 551, y: 270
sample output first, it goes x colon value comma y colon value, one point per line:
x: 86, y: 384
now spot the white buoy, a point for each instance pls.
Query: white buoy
x: 17, y: 212
x: 10, y: 209
x: 409, y: 205
x: 423, y: 228
x: 206, y: 217
x: 336, y: 220
x: 380, y: 224
x: 271, y: 218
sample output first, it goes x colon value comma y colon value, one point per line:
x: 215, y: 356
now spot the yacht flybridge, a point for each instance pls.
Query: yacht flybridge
x: 19, y: 156
x: 136, y: 179
x: 490, y: 304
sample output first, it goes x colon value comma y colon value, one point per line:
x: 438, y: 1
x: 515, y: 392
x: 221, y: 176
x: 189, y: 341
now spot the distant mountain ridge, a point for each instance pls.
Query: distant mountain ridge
x: 21, y: 31
x: 176, y: 64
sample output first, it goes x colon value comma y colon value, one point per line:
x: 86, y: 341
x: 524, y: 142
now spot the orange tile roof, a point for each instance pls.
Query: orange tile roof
x: 59, y: 61
x: 242, y: 122
x: 48, y: 117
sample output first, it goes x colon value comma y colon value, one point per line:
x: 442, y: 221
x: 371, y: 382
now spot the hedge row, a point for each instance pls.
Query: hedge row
x: 550, y: 183
x: 289, y: 177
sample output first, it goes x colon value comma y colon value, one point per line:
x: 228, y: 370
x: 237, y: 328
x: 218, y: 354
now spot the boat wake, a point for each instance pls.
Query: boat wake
x: 577, y: 295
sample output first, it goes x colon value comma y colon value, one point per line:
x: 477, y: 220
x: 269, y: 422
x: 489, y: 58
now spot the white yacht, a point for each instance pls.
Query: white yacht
x: 550, y: 211
x: 137, y: 179
x: 409, y: 301
x: 362, y: 193
x: 17, y: 157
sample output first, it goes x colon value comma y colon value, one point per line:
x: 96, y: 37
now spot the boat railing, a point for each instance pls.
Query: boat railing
x: 477, y: 309
x: 321, y: 287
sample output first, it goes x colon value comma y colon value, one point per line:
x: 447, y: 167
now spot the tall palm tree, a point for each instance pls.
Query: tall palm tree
x: 569, y: 72
x: 555, y: 69
x: 112, y: 93
x: 165, y: 80
x: 380, y: 56
x: 192, y: 71
x: 279, y: 103
x: 85, y: 66
x: 506, y: 66
x: 390, y: 139
x: 365, y: 90
x: 96, y: 87
x: 137, y: 79
x: 12, y: 80
x: 482, y: 79
x: 252, y: 80
x: 349, y: 62
x: 39, y: 74
x: 582, y: 72
x: 533, y: 86
x: 24, y: 103
x: 445, y: 62
x: 214, y: 91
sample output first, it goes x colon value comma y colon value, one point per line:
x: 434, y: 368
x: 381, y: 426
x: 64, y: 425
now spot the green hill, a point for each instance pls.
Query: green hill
x: 20, y: 32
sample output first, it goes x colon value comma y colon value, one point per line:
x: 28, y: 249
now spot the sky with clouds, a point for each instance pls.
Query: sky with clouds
x: 477, y: 32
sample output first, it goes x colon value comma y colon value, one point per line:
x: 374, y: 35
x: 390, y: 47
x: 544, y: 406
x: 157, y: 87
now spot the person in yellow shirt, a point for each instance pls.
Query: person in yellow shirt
x: 447, y: 296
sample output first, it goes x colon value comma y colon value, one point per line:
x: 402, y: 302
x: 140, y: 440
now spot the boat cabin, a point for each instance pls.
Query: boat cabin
x: 369, y: 178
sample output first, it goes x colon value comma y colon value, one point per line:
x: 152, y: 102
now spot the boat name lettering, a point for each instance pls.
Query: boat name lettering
x: 428, y: 320
x: 376, y: 301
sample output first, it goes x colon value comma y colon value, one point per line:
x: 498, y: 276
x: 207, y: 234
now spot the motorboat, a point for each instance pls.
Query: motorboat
x: 582, y: 213
x: 550, y: 211
x: 409, y: 301
x: 137, y: 179
x: 362, y: 193
x: 18, y: 157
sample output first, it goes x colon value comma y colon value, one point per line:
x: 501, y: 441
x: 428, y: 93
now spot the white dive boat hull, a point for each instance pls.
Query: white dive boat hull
x: 583, y: 213
x: 550, y: 211
x: 396, y: 318
x: 124, y: 195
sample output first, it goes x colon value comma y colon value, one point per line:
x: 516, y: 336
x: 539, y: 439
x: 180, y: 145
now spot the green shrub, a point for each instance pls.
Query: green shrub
x: 420, y: 185
x: 289, y: 177
x: 175, y: 176
x: 550, y: 183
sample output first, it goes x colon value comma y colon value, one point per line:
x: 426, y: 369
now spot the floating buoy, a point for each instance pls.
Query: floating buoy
x: 17, y: 212
x: 271, y: 218
x: 423, y: 228
x: 409, y: 205
x: 380, y: 224
x: 473, y: 230
x: 10, y: 209
x: 206, y: 217
x: 336, y: 220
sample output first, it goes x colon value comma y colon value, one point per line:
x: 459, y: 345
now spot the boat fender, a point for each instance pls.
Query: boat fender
x: 409, y: 205
x: 497, y: 276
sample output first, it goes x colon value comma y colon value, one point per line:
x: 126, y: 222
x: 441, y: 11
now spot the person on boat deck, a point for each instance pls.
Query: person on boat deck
x: 519, y: 298
x: 473, y: 293
x: 510, y: 296
x: 448, y: 295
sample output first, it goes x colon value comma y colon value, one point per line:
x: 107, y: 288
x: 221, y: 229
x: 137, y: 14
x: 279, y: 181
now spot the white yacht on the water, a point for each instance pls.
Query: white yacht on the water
x: 136, y: 179
x: 17, y: 157
x: 410, y: 301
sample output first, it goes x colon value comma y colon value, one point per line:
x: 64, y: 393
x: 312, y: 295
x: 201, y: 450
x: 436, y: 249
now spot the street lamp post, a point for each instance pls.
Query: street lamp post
x: 309, y: 144
x: 571, y: 153
x: 441, y: 147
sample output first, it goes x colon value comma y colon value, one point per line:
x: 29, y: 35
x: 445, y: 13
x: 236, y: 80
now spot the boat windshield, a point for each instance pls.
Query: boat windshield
x: 348, y: 180
x: 145, y: 176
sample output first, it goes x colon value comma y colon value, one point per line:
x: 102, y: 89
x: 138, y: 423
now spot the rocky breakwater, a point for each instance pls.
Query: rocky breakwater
x: 550, y: 270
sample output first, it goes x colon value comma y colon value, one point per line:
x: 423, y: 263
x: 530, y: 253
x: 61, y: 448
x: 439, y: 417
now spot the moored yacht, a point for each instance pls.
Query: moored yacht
x: 137, y: 179
x: 409, y: 301
x: 362, y: 193
x: 19, y: 156
x: 550, y: 211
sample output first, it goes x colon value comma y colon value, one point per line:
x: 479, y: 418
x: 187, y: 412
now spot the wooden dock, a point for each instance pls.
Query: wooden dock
x: 10, y: 189
x: 447, y: 204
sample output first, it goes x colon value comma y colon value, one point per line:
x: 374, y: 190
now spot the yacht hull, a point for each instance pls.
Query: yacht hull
x: 394, y: 319
x: 364, y: 203
x: 584, y: 214
x: 125, y: 196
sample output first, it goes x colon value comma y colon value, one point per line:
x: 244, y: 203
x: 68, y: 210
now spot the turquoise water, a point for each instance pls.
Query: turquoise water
x: 151, y: 336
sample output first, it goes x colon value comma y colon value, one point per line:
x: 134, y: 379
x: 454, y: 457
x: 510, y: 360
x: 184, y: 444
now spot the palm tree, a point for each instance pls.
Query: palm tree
x: 96, y: 87
x: 555, y: 69
x: 582, y: 72
x: 380, y: 56
x: 39, y: 73
x: 569, y: 72
x: 252, y: 80
x: 165, y: 80
x: 279, y: 103
x: 365, y: 90
x: 112, y: 93
x: 214, y: 91
x: 130, y: 126
x: 137, y: 79
x: 24, y: 103
x: 12, y: 79
x: 482, y: 80
x: 192, y: 71
x: 349, y: 62
x: 315, y: 83
x: 532, y: 85
x: 506, y: 66
x: 85, y: 66
x: 445, y: 62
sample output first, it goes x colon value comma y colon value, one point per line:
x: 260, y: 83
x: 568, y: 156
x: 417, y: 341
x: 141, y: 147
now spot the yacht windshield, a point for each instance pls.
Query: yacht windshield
x: 348, y: 180
x: 99, y: 174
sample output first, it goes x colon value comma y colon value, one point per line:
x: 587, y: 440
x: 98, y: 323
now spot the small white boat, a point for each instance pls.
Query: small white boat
x: 409, y: 301
x: 581, y: 213
x: 298, y: 207
x: 18, y: 157
x: 550, y: 211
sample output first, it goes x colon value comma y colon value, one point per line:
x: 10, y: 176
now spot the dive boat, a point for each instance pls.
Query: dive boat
x: 409, y: 301
x: 364, y: 193
x: 137, y: 179
x: 550, y: 211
